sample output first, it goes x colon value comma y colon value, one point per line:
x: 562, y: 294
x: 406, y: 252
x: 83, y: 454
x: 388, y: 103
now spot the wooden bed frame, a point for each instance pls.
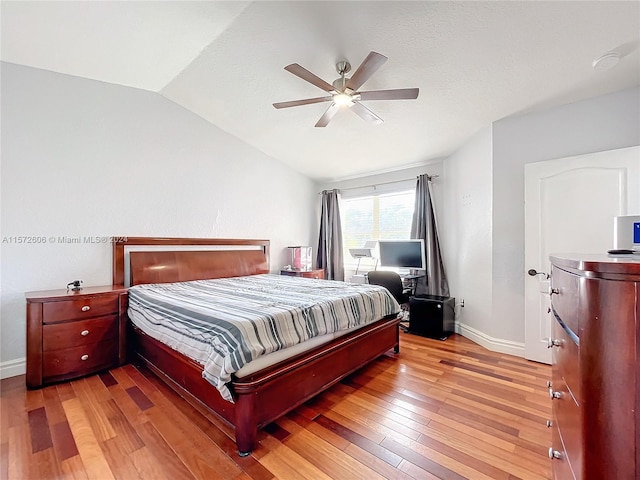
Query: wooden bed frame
x: 264, y: 396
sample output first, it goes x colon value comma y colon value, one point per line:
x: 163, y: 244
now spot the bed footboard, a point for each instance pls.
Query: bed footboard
x: 265, y: 396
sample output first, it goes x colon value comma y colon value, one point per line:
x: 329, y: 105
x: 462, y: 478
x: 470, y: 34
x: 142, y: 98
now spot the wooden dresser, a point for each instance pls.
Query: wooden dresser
x: 319, y: 273
x: 595, y: 385
x: 74, y: 333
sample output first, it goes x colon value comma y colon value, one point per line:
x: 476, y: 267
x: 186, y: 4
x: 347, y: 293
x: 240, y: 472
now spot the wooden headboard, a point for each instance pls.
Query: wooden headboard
x: 159, y: 260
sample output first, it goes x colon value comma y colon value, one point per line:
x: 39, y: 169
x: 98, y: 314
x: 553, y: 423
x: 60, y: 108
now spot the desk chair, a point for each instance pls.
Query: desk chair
x: 392, y: 282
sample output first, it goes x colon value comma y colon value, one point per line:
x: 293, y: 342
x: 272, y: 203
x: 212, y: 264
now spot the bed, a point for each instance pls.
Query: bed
x: 259, y: 397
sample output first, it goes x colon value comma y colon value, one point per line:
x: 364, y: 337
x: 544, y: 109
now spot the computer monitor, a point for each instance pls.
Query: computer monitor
x: 402, y: 253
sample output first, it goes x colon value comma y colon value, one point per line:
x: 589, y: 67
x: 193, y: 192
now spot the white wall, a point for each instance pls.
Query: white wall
x: 467, y: 232
x: 85, y: 158
x: 602, y: 123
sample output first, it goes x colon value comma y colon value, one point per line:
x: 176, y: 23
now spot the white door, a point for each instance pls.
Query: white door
x: 569, y: 208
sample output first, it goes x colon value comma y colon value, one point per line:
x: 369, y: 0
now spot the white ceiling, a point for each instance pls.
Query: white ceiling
x: 474, y: 62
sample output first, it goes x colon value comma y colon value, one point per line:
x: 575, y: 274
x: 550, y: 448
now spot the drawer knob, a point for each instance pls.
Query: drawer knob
x: 548, y: 383
x: 549, y: 423
x: 554, y: 395
x: 553, y: 343
x: 553, y: 291
x: 86, y: 308
x: 554, y: 454
x: 84, y: 333
x: 84, y: 357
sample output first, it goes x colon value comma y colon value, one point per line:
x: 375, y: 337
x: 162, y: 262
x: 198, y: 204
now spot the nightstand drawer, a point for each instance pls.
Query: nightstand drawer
x: 317, y: 273
x: 58, y: 336
x: 80, y: 360
x: 81, y: 308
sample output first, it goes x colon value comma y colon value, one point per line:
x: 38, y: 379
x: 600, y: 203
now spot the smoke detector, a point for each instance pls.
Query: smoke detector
x: 606, y: 61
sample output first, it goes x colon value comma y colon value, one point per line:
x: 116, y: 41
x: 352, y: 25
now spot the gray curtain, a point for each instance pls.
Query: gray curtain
x: 330, y: 241
x: 423, y: 225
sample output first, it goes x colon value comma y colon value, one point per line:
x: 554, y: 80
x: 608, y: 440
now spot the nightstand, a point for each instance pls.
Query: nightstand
x: 74, y: 333
x: 319, y: 273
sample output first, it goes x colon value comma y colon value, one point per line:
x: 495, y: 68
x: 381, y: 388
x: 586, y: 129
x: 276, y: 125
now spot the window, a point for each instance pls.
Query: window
x: 385, y: 216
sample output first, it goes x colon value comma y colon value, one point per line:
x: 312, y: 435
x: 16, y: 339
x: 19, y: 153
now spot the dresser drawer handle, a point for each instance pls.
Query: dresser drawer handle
x: 84, y: 357
x: 553, y: 395
x: 554, y: 454
x: 86, y: 308
x: 553, y: 343
x: 84, y: 333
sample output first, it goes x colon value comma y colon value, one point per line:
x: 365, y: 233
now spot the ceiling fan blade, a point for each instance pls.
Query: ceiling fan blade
x: 305, y: 74
x: 367, y: 68
x: 398, y: 94
x: 328, y: 115
x: 306, y: 101
x: 365, y: 113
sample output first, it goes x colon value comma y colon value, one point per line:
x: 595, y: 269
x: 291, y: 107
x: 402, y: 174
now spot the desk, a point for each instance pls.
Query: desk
x: 409, y: 282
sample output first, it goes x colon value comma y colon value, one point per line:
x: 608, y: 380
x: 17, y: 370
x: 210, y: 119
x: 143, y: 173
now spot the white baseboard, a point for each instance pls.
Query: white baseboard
x: 13, y: 368
x: 490, y: 343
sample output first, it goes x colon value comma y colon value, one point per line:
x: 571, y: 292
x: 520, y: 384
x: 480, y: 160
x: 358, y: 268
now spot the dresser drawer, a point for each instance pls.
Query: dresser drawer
x: 80, y: 308
x: 566, y: 359
x: 561, y: 468
x: 567, y: 418
x: 69, y: 362
x: 59, y: 336
x: 565, y: 302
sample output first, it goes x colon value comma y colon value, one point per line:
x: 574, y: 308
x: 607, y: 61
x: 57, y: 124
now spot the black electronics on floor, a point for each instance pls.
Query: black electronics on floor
x: 432, y: 316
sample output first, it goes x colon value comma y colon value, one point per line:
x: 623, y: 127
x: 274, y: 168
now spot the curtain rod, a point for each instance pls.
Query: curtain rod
x: 429, y: 177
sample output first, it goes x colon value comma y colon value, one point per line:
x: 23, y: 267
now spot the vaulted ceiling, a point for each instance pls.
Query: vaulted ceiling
x: 474, y: 63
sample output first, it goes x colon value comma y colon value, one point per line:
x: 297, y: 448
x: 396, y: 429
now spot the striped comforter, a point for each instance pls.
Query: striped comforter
x: 225, y: 323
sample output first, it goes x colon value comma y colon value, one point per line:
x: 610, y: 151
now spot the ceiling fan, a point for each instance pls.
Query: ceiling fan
x: 344, y: 91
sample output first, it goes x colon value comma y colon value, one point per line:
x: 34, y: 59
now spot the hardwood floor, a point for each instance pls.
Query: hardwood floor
x: 439, y: 410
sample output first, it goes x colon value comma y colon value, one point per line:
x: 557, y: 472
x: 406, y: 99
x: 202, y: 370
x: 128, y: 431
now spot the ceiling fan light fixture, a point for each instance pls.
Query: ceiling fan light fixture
x: 343, y: 100
x: 344, y: 91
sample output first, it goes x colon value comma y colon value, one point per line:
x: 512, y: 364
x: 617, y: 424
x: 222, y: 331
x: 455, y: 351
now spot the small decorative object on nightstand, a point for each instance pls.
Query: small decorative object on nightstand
x: 319, y: 273
x: 71, y: 333
x: 300, y: 258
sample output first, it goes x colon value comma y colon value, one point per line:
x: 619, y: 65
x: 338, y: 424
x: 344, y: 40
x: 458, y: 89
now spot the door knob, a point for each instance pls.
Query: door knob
x: 532, y: 272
